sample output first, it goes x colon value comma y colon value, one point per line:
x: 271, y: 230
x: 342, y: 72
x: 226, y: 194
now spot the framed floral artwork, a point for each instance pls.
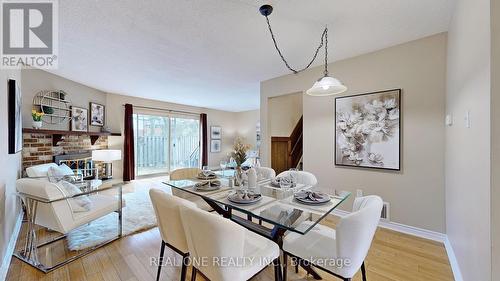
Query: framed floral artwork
x: 368, y: 130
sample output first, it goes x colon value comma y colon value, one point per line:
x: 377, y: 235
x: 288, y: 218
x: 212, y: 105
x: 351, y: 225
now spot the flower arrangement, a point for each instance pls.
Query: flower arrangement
x: 239, y: 152
x: 37, y: 116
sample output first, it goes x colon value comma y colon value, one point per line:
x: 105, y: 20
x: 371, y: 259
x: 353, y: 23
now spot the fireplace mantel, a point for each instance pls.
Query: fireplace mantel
x: 58, y: 134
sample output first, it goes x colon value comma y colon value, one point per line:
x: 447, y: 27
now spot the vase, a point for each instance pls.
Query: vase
x: 238, y: 178
x: 37, y: 124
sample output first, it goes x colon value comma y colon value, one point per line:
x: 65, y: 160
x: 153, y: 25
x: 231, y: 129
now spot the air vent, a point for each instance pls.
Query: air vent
x: 385, y: 212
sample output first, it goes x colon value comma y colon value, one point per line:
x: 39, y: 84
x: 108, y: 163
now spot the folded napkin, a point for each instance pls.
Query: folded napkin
x: 311, y: 196
x: 276, y: 182
x: 246, y: 196
x: 210, y: 175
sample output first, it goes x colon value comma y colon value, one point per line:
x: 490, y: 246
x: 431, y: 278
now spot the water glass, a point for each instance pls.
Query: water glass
x: 205, y: 171
x: 294, y: 175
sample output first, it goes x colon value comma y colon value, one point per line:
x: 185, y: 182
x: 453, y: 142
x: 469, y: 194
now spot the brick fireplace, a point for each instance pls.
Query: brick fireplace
x: 39, y: 148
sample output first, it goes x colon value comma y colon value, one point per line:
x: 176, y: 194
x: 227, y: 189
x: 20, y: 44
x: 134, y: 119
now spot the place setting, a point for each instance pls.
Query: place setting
x: 209, y: 180
x: 309, y: 197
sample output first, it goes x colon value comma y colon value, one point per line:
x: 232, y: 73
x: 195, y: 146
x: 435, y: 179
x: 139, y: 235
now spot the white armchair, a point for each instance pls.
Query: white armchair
x: 47, y: 204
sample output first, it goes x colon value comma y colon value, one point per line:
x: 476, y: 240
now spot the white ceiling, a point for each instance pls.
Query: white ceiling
x: 214, y: 53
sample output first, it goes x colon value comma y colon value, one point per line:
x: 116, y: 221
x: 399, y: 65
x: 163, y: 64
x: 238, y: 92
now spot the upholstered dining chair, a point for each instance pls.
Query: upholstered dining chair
x: 303, y: 177
x: 189, y: 174
x: 167, y: 210
x: 340, y: 251
x: 265, y: 172
x: 184, y: 173
x: 218, y: 239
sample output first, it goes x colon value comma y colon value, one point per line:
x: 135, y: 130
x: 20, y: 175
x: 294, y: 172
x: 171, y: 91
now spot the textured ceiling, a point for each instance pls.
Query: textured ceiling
x: 214, y: 53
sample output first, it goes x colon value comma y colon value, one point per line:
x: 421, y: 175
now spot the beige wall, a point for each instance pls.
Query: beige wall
x: 416, y: 194
x: 468, y: 149
x: 247, y: 126
x: 79, y: 95
x: 10, y: 168
x: 284, y: 113
x: 495, y: 138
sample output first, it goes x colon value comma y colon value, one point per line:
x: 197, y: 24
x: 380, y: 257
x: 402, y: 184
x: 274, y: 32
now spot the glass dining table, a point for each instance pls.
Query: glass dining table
x: 274, y: 214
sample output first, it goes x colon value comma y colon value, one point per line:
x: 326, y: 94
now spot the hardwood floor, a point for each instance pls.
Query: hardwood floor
x: 393, y: 256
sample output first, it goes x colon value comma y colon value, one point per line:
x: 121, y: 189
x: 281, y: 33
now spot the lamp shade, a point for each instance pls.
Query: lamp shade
x: 106, y: 155
x: 326, y: 86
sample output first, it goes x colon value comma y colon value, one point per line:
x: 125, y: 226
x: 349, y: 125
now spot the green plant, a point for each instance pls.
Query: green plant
x: 37, y: 116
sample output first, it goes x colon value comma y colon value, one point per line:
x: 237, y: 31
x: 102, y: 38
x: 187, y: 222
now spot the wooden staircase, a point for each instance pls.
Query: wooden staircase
x: 286, y: 152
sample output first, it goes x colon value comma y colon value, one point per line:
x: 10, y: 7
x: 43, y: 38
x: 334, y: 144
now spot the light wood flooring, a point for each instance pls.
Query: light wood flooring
x: 393, y: 256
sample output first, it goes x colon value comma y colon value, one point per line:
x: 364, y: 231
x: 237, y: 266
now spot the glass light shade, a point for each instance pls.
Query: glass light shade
x: 326, y: 86
x: 106, y: 155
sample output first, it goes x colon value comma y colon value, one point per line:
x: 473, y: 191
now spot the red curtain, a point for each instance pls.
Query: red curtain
x: 128, y: 151
x: 204, y: 139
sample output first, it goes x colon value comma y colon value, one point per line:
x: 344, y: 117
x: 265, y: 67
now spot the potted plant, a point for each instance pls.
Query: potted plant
x: 239, y: 154
x: 37, y: 118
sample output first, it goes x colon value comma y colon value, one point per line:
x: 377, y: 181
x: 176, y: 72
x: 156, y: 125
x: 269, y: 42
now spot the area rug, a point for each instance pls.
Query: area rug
x: 138, y: 214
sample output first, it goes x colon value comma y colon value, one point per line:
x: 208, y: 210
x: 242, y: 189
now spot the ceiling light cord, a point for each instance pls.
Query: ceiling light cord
x: 324, y: 41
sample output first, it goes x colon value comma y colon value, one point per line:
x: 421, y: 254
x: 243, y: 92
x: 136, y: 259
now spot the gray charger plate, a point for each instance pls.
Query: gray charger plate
x: 206, y: 188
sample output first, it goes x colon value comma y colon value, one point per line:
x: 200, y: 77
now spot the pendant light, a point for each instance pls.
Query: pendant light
x: 326, y: 85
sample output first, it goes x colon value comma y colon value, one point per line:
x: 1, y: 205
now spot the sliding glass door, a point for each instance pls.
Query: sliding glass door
x: 185, y: 144
x: 165, y: 142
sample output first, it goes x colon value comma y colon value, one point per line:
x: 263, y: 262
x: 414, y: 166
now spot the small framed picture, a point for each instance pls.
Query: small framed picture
x: 79, y: 119
x: 215, y: 146
x: 215, y: 132
x: 97, y: 113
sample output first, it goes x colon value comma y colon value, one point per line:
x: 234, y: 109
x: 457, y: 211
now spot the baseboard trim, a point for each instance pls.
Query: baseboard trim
x: 422, y: 233
x: 4, y: 269
x: 403, y: 228
x: 453, y: 261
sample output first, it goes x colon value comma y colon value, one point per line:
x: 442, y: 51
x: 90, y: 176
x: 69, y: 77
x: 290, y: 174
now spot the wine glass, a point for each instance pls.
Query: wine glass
x: 205, y: 171
x: 223, y: 166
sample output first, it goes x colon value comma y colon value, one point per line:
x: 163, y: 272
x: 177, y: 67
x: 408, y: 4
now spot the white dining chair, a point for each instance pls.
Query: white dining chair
x: 265, y: 172
x: 184, y: 173
x: 303, y: 177
x: 167, y: 210
x: 221, y: 242
x: 340, y: 251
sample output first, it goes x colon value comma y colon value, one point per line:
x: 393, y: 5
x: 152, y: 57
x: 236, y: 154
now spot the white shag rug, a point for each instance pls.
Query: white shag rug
x: 138, y: 214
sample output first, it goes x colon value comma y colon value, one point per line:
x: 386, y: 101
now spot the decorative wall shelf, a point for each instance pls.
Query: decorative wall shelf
x: 57, y: 135
x: 55, y: 101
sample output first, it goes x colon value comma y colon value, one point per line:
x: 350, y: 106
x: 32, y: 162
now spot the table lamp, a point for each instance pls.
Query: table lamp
x: 107, y: 156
